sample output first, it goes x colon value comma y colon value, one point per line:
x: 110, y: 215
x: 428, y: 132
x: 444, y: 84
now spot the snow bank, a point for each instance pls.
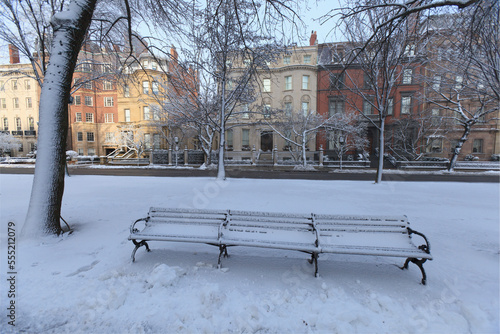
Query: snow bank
x: 86, y: 283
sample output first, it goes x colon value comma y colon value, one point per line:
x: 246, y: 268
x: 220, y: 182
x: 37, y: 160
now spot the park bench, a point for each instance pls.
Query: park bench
x: 309, y: 233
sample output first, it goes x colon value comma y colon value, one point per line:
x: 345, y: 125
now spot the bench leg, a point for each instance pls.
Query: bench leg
x: 420, y: 264
x: 222, y: 249
x: 137, y: 245
x: 314, y: 258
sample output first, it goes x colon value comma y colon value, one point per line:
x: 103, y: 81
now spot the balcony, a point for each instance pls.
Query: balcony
x: 30, y: 133
x: 17, y: 133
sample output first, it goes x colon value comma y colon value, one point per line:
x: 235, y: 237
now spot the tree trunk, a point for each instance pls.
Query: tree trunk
x: 381, y: 146
x: 458, y: 149
x: 221, y: 171
x: 304, y: 157
x: 44, y: 210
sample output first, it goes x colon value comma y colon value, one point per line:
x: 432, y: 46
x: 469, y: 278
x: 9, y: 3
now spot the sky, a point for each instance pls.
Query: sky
x: 310, y: 13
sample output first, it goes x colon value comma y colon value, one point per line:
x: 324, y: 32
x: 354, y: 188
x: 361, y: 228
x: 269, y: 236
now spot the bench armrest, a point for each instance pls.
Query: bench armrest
x: 132, y: 227
x: 427, y: 247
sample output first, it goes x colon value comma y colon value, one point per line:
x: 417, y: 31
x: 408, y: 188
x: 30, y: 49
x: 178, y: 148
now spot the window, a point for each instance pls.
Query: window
x: 156, y: 87
x: 405, y: 105
x: 335, y: 107
x: 288, y: 82
x: 409, y: 50
x: 267, y: 85
x: 288, y: 109
x: 15, y: 102
x: 108, y: 102
x: 78, y: 117
x: 229, y: 139
x: 458, y: 81
x: 156, y: 141
x: 145, y: 87
x: 18, y: 124
x: 434, y: 145
x: 390, y: 106
x: 91, y: 151
x: 27, y: 84
x: 246, y: 62
x: 407, y: 76
x: 78, y: 100
x: 244, y: 110
x: 107, y: 85
x: 286, y: 60
x: 5, y: 124
x: 307, y: 59
x: 88, y: 101
x: 32, y: 147
x: 305, y: 108
x: 87, y: 85
x: 436, y: 82
x: 79, y: 136
x: 156, y: 112
x: 14, y: 84
x: 127, y: 115
x: 366, y: 80
x: 245, y: 138
x: 267, y: 110
x: 477, y: 146
x: 336, y: 80
x: 145, y: 63
x: 110, y: 137
x: 29, y: 103
x: 31, y: 123
x: 368, y: 106
x: 305, y: 82
x: 86, y: 67
x: 435, y: 117
x: 90, y: 136
x: 80, y: 151
x: 147, y: 141
x: 154, y: 65
x: 126, y: 91
x: 147, y: 115
x: 3, y: 104
x: 109, y: 118
x: 89, y: 117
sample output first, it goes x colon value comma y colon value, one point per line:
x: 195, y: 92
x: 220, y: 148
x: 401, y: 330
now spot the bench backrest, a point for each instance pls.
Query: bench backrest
x: 270, y: 228
x: 186, y: 223
x: 363, y: 231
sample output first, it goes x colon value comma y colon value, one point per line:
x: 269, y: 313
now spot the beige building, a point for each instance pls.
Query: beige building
x: 288, y: 86
x: 19, y: 100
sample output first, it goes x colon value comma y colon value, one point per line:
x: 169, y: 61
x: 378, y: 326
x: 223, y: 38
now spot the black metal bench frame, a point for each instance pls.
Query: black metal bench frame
x: 424, y: 249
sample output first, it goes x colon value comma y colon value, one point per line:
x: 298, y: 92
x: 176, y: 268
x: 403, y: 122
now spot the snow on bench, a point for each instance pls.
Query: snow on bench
x: 313, y: 234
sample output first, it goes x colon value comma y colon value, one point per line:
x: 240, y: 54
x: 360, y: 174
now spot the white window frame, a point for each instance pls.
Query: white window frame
x: 78, y: 117
x: 305, y: 82
x: 266, y: 85
x: 89, y: 101
x: 90, y: 137
x: 89, y: 117
x: 146, y: 113
x: 109, y: 118
x: 288, y: 82
x: 127, y: 115
x: 109, y: 101
x: 407, y: 76
x: 406, y: 104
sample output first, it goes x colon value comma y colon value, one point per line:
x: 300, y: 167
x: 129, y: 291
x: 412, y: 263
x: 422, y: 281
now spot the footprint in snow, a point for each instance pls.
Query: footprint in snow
x: 83, y: 269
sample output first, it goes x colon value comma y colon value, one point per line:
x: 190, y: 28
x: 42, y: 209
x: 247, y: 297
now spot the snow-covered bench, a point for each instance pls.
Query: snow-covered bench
x: 313, y: 234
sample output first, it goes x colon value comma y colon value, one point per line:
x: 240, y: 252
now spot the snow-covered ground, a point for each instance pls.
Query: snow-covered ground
x: 86, y: 283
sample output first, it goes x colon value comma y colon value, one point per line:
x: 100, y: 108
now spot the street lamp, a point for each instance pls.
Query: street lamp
x: 176, y: 141
x: 341, y: 144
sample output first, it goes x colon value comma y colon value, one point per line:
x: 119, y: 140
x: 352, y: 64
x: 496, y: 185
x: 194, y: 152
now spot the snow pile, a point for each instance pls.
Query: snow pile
x: 86, y: 283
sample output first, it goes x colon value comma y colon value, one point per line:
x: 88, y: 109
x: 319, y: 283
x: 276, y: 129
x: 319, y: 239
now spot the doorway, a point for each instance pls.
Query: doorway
x: 266, y: 141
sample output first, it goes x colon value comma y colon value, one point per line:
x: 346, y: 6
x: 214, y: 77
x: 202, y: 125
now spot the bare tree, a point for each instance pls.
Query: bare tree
x: 370, y: 73
x: 7, y: 143
x: 463, y: 81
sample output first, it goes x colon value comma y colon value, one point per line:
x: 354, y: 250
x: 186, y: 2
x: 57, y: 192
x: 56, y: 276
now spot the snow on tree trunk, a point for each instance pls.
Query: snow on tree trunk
x: 381, y: 145
x: 304, y: 143
x: 44, y: 210
x: 458, y: 149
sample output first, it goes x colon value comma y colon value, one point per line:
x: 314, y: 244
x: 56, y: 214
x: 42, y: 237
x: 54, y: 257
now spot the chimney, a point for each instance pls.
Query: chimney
x: 314, y: 37
x: 173, y: 53
x: 14, y: 54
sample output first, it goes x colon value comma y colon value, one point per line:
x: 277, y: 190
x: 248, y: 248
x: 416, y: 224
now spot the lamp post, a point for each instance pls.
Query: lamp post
x: 176, y: 141
x: 341, y: 144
